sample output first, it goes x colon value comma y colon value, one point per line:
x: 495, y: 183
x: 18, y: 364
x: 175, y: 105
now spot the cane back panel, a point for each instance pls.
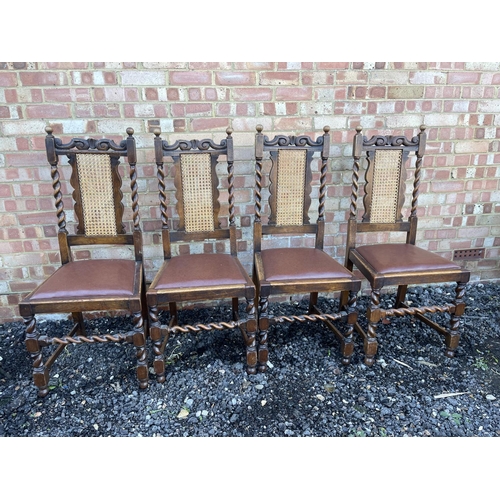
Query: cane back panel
x: 98, y: 211
x: 289, y: 190
x: 384, y: 186
x: 197, y: 193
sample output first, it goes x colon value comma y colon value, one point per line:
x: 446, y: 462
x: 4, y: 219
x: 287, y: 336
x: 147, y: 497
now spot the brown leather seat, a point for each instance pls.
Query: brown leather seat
x: 200, y: 270
x: 94, y: 278
x: 301, y: 263
x: 388, y: 258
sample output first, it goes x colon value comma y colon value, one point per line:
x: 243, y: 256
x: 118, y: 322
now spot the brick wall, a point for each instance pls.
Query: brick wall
x: 458, y: 102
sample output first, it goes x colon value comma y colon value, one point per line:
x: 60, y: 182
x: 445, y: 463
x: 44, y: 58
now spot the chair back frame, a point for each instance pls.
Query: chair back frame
x: 77, y: 151
x: 388, y: 145
x: 293, y: 145
x: 191, y: 153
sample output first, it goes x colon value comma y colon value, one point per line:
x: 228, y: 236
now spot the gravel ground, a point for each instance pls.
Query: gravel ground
x: 305, y: 392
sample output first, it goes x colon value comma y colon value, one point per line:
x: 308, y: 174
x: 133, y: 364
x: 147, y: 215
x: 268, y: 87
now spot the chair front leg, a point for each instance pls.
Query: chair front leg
x: 155, y: 334
x: 370, y: 343
x: 250, y: 337
x: 263, y: 327
x: 140, y: 346
x: 40, y: 371
x: 452, y: 336
x: 347, y: 345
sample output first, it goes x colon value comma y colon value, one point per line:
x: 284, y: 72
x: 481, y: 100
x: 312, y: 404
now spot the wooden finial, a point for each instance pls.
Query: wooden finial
x: 229, y: 131
x: 422, y: 127
x: 157, y: 132
x: 48, y: 129
x: 259, y: 128
x: 359, y: 128
x: 130, y: 131
x: 326, y: 129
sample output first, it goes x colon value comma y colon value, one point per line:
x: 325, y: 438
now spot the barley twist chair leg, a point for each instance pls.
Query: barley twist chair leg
x: 452, y: 336
x: 40, y: 371
x: 263, y: 327
x: 347, y: 346
x: 251, y: 333
x: 140, y: 346
x: 155, y: 334
x: 370, y: 341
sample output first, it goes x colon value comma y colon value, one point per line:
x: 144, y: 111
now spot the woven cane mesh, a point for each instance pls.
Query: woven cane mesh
x: 290, y: 187
x: 385, y: 188
x: 96, y: 190
x: 198, y: 204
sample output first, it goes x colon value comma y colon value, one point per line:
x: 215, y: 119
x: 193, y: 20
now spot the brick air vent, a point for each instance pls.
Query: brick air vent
x: 469, y: 254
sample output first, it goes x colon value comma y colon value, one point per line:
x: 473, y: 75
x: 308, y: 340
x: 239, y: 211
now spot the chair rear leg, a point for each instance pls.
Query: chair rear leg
x: 40, y: 371
x: 234, y: 304
x: 144, y: 305
x: 452, y: 336
x: 173, y: 313
x: 345, y: 295
x: 263, y: 327
x: 78, y: 318
x: 140, y: 346
x: 313, y: 300
x: 401, y: 295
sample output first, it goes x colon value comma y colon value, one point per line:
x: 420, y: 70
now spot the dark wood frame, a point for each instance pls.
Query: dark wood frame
x: 375, y: 313
x: 163, y: 298
x: 265, y: 288
x: 29, y: 307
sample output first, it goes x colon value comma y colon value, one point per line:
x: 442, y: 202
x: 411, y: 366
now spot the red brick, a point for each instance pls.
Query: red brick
x: 298, y: 124
x: 279, y: 78
x: 377, y: 92
x: 63, y: 65
x: 257, y: 66
x: 212, y: 94
x: 47, y: 111
x: 200, y: 109
x: 5, y: 190
x: 252, y: 94
x: 235, y: 78
x: 332, y: 65
x: 243, y: 109
x: 25, y: 159
x: 293, y: 94
x: 442, y: 187
x: 160, y: 111
x: 109, y: 77
x: 8, y: 79
x: 190, y: 77
x: 151, y: 94
x: 208, y: 65
x: 34, y: 79
x: 464, y: 77
x: 37, y: 218
x: 198, y: 124
x: 318, y: 78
